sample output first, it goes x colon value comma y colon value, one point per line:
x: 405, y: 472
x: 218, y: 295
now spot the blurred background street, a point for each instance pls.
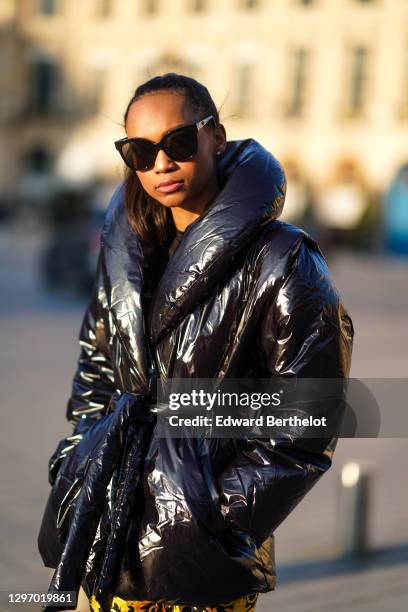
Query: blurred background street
x: 323, y: 84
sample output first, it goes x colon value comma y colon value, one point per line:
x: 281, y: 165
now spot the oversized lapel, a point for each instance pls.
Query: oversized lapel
x: 252, y: 191
x: 122, y: 261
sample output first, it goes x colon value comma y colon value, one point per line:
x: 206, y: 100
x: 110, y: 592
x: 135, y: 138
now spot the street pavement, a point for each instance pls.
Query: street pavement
x: 39, y: 351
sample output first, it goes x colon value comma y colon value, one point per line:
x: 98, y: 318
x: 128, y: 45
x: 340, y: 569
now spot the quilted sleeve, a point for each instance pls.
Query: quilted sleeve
x: 304, y: 332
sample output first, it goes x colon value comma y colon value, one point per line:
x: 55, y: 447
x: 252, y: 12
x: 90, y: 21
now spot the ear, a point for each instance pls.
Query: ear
x: 220, y: 138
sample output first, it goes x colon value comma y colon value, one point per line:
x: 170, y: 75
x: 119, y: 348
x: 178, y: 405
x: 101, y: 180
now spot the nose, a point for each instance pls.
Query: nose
x: 163, y: 162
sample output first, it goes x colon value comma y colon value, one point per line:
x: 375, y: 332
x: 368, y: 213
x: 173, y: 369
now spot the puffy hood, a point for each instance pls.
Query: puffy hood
x: 252, y: 192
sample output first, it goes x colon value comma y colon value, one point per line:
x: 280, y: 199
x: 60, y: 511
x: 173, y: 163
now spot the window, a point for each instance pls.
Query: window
x: 244, y: 81
x: 105, y: 8
x: 96, y: 84
x: 47, y: 7
x: 38, y: 161
x: 403, y: 103
x: 249, y: 4
x: 150, y: 6
x: 299, y: 68
x: 42, y: 86
x: 198, y: 6
x: 358, y: 80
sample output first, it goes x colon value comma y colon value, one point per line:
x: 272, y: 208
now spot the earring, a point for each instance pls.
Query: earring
x: 219, y: 152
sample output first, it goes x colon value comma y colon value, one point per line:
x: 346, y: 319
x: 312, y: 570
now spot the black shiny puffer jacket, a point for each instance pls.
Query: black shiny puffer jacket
x: 191, y: 520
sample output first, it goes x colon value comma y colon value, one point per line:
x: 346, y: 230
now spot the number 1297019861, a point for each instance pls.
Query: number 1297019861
x: 66, y: 597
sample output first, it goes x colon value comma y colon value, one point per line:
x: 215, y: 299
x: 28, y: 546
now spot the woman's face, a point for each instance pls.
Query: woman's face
x: 151, y: 116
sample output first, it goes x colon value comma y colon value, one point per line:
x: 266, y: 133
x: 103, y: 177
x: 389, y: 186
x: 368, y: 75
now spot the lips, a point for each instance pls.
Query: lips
x: 169, y: 186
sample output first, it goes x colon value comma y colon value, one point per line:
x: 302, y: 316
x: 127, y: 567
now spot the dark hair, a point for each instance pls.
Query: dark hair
x: 147, y: 217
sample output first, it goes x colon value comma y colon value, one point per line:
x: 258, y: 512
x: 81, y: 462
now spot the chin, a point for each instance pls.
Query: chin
x: 171, y: 199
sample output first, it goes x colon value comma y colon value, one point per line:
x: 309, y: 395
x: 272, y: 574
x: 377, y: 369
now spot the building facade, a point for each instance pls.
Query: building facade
x: 323, y: 84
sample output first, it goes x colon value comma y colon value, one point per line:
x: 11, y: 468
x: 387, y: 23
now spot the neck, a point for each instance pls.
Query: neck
x: 184, y: 215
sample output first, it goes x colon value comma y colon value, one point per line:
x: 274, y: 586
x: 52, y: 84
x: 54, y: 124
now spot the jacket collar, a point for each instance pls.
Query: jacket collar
x: 252, y: 191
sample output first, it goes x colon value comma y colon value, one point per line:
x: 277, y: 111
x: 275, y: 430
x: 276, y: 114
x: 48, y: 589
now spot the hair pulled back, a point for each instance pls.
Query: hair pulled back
x: 148, y: 218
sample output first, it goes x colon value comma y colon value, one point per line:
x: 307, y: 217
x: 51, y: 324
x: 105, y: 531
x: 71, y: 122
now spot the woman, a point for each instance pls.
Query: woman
x: 196, y: 278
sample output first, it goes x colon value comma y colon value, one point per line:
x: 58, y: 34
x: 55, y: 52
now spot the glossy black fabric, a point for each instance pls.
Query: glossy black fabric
x: 175, y: 243
x: 191, y: 520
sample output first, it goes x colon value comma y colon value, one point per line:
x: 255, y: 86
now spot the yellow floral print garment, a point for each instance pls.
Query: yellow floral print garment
x: 243, y: 604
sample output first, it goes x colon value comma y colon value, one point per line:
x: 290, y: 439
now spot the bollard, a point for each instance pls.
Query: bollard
x: 353, y: 510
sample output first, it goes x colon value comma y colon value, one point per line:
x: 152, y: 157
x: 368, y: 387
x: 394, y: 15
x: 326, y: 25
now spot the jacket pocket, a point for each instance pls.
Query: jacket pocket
x: 63, y: 449
x: 69, y: 467
x: 60, y: 508
x: 68, y: 500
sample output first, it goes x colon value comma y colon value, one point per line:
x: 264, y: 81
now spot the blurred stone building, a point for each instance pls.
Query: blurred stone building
x: 323, y: 84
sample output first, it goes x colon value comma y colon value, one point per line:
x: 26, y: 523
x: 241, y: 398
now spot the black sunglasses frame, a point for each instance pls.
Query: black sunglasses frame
x: 156, y: 147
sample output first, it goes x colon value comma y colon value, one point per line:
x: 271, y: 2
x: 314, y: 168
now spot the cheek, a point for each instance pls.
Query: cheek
x: 146, y: 181
x: 204, y: 168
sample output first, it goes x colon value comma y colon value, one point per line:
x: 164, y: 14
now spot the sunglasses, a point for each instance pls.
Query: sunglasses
x: 180, y: 145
